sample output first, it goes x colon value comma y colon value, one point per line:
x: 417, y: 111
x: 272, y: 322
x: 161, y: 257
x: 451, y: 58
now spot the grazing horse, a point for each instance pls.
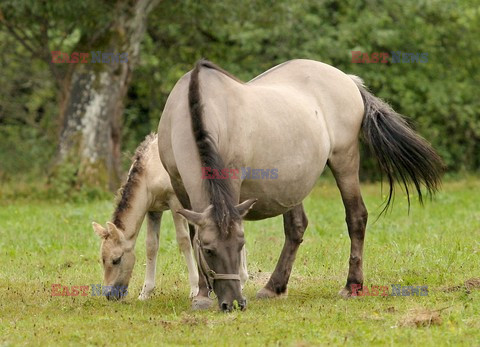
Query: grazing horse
x: 147, y: 191
x: 295, y: 119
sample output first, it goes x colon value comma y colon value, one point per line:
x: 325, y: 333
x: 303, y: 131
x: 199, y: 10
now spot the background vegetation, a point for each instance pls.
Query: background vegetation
x: 441, y: 97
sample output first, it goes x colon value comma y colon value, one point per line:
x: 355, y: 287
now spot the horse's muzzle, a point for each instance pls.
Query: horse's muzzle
x: 229, y: 307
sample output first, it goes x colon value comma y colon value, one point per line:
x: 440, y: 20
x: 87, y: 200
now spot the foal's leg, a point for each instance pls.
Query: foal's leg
x: 243, y: 267
x: 201, y: 301
x: 345, y: 169
x: 295, y: 222
x: 153, y: 231
x: 183, y: 240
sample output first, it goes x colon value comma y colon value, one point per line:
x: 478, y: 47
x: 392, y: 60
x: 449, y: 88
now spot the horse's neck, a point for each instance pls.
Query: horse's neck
x: 132, y: 217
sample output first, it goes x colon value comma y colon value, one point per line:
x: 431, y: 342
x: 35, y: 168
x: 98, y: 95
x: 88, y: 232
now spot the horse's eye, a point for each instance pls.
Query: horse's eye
x: 117, y: 261
x: 208, y: 251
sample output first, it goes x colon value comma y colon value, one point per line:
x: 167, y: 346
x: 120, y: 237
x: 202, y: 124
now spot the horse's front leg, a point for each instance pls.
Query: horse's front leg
x: 152, y: 242
x: 294, y: 222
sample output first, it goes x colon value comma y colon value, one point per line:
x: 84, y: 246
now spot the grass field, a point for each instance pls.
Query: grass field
x: 42, y: 243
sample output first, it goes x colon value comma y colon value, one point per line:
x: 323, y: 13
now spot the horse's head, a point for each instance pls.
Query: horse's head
x: 218, y: 254
x: 118, y: 259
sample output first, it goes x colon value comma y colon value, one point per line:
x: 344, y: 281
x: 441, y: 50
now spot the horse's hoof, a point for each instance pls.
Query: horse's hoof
x: 201, y: 303
x: 265, y: 293
x: 345, y: 293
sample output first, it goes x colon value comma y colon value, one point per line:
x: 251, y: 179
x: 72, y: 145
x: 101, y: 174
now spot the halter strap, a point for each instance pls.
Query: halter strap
x: 209, y: 274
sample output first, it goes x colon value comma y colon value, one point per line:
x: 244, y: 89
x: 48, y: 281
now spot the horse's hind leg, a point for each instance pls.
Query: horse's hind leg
x: 152, y: 242
x: 345, y: 169
x: 295, y: 222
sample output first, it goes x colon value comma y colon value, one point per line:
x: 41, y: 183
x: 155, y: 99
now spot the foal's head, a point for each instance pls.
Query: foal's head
x: 218, y: 253
x: 118, y: 258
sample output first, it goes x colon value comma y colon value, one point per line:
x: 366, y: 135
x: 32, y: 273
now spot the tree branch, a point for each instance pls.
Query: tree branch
x: 23, y: 40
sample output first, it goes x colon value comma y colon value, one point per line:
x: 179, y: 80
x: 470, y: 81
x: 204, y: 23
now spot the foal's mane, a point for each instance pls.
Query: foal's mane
x: 220, y: 190
x: 126, y: 191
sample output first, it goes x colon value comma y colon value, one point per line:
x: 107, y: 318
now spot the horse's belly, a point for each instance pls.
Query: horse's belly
x: 279, y: 191
x: 292, y: 139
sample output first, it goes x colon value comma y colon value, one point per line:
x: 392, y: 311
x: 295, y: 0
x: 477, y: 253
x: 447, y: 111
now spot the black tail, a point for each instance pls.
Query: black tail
x: 220, y: 190
x: 404, y: 156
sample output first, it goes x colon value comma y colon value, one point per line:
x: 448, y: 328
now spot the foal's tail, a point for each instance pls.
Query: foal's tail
x: 404, y: 156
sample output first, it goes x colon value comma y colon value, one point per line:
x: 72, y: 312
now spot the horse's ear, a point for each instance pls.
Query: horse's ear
x: 194, y: 218
x: 245, y: 206
x: 99, y: 230
x: 113, y: 231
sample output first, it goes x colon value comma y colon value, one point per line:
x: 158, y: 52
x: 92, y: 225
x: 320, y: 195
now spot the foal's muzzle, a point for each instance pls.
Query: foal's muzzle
x: 112, y: 296
x: 116, y: 293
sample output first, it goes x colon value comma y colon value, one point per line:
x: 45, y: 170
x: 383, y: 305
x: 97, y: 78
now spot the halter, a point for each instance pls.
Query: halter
x: 209, y: 274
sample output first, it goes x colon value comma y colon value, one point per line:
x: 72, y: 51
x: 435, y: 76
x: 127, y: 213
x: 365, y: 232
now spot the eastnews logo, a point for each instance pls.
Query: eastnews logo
x: 397, y: 290
x: 98, y: 57
x: 97, y: 290
x: 359, y: 57
x: 244, y: 173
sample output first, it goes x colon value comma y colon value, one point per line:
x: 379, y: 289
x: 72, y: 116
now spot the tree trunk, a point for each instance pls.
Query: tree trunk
x: 92, y: 107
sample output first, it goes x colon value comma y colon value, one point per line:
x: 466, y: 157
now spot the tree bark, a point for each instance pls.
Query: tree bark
x: 91, y: 109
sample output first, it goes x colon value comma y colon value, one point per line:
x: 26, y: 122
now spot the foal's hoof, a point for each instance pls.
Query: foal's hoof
x: 193, y: 292
x: 201, y: 303
x: 265, y: 293
x: 145, y: 295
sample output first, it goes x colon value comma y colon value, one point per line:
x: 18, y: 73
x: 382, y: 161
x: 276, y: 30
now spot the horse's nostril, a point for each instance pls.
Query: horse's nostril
x: 242, y: 304
x: 225, y: 307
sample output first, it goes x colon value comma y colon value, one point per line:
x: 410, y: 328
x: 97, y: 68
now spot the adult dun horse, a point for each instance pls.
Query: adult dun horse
x: 297, y: 117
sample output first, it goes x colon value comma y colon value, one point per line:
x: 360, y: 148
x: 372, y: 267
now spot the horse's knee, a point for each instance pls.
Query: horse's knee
x: 152, y: 249
x: 295, y: 224
x: 183, y: 241
x: 152, y: 245
x: 296, y: 231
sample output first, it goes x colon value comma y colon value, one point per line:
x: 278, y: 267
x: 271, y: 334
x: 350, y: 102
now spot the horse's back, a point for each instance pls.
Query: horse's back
x: 330, y: 90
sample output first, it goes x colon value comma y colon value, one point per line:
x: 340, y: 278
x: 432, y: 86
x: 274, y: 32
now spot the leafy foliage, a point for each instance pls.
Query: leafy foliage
x: 440, y: 96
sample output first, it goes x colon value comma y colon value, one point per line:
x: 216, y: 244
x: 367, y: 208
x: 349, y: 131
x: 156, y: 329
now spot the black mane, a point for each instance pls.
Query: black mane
x: 220, y: 190
x: 125, y: 193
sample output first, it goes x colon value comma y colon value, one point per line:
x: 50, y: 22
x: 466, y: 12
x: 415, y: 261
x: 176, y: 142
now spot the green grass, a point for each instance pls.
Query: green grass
x: 42, y: 243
